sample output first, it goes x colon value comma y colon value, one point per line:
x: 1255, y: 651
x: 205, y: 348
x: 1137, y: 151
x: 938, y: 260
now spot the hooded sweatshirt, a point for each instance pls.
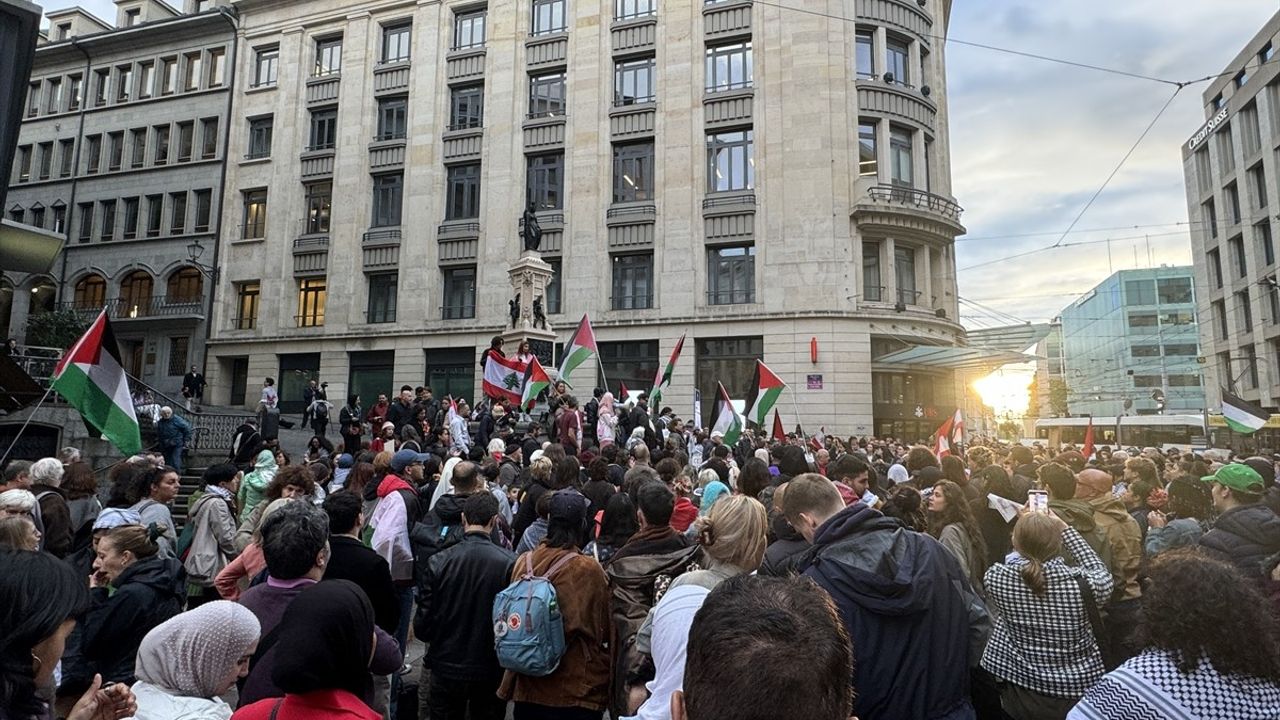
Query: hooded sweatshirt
x: 147, y: 593
x: 914, y: 620
x: 254, y: 485
x: 1245, y: 536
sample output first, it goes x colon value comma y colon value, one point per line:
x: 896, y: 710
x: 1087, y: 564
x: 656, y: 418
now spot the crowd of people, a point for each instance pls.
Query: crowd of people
x: 606, y: 558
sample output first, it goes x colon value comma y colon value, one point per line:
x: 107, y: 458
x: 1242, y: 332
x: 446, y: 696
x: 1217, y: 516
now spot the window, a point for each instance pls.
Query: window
x: 865, y: 54
x: 868, y: 160
x: 90, y: 292
x: 731, y: 161
x: 155, y: 208
x: 204, y: 209
x: 93, y: 152
x: 872, y: 288
x: 632, y: 282
x: 217, y: 68
x: 1258, y: 185
x: 33, y: 99
x: 108, y: 228
x: 162, y: 144
x: 37, y: 216
x: 382, y: 297
x: 85, y: 211
x: 178, y: 355
x: 392, y: 120
x: 544, y: 181
x: 24, y: 163
x: 1246, y: 310
x: 1241, y: 78
x: 130, y: 231
x: 1204, y: 171
x: 553, y: 286
x: 75, y: 87
x: 16, y: 214
x: 1232, y: 195
x: 901, y: 160
x: 319, y: 207
x: 101, y: 87
x: 633, y: 81
x: 396, y: 42
x: 137, y: 147
x: 904, y: 270
x: 209, y: 138
x: 1226, y: 149
x: 146, y: 79
x: 729, y: 67
x: 548, y: 16
x: 1143, y: 319
x: 324, y: 129
x: 731, y: 275
x: 1266, y: 53
x: 1181, y: 349
x: 115, y: 150
x: 629, y: 9
x: 1273, y: 297
x: 1209, y: 216
x: 463, y: 191
x: 546, y: 95
x: 184, y: 286
x: 1145, y: 351
x: 312, y: 294
x: 1215, y: 267
x: 64, y: 31
x: 388, y: 191
x: 168, y: 76
x: 53, y: 96
x: 247, y: 305
x: 468, y: 29
x: 186, y: 140
x: 1266, y: 247
x: 897, y: 61
x: 266, y: 66
x: 177, y: 213
x: 255, y: 214
x: 59, y: 218
x: 1219, y: 309
x: 46, y: 160
x: 1250, y: 133
x: 67, y: 150
x: 191, y: 71
x: 1172, y: 291
x: 328, y: 56
x: 132, y: 16
x: 1238, y: 256
x: 1140, y: 292
x: 466, y: 107
x: 459, y: 293
x: 260, y: 137
x: 1146, y: 381
x: 633, y: 172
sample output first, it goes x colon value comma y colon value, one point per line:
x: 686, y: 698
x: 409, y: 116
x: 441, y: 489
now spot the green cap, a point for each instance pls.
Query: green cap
x: 1237, y: 477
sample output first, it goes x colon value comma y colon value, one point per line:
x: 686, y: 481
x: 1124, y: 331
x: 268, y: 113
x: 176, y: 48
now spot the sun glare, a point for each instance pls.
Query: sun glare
x: 1007, y: 390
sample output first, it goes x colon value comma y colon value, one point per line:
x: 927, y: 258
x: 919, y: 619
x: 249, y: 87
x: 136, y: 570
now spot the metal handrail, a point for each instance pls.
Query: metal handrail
x: 384, y: 235
x: 917, y: 198
x: 717, y: 201
x: 649, y: 209
x: 320, y: 242
x: 458, y: 227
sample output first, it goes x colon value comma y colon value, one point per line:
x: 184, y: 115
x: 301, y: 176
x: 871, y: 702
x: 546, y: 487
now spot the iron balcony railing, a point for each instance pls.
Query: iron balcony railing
x: 899, y: 195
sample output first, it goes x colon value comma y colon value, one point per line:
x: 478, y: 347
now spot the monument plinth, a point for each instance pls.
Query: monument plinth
x: 527, y: 317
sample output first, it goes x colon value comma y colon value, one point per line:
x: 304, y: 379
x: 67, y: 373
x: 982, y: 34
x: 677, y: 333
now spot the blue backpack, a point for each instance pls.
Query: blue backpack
x: 528, y: 630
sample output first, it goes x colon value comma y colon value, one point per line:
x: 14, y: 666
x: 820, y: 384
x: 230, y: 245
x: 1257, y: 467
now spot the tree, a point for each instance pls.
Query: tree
x: 1058, y: 397
x: 56, y: 328
x: 1010, y: 430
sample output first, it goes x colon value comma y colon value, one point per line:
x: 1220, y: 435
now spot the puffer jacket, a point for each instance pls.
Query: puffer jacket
x: 254, y: 485
x: 147, y: 593
x: 1245, y: 536
x: 1125, y: 537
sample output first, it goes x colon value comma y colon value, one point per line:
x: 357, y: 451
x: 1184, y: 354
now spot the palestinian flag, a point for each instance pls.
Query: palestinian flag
x: 535, y: 381
x: 580, y: 348
x: 1241, y: 415
x: 779, y: 433
x: 91, y: 378
x: 764, y: 394
x: 663, y: 381
x: 725, y: 419
x: 623, y: 392
x: 503, y: 378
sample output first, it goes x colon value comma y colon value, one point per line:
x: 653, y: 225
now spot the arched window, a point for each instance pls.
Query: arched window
x: 185, y: 286
x: 135, y: 294
x: 44, y: 297
x: 91, y: 292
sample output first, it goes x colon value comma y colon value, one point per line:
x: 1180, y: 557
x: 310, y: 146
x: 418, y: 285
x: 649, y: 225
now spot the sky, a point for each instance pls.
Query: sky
x: 1032, y: 141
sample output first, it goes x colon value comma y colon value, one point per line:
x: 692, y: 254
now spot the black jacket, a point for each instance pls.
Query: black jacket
x: 785, y: 554
x: 528, y: 511
x: 350, y: 559
x: 639, y: 417
x: 1245, y: 536
x: 55, y: 515
x: 455, y: 612
x: 400, y: 415
x: 915, y: 622
x: 244, y: 445
x: 148, y: 592
x: 590, y: 416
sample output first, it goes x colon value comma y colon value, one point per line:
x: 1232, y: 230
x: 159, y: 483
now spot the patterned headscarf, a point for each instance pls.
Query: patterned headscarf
x: 190, y: 654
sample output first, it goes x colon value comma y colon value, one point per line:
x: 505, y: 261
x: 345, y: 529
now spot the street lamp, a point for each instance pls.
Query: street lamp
x: 194, y: 251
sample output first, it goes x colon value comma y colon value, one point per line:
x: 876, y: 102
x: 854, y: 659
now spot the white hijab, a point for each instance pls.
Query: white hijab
x: 446, y: 482
x: 191, y: 653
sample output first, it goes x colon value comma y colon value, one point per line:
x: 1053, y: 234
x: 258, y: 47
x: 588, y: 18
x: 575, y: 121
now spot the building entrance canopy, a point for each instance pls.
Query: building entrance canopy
x: 952, y: 358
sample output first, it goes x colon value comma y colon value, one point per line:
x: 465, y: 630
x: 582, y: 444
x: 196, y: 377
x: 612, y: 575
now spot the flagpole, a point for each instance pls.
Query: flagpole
x: 795, y: 404
x: 24, y: 426
x: 600, y: 363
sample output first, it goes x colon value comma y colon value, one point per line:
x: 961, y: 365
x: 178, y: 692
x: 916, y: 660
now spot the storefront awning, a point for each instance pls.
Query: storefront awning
x: 952, y: 358
x: 1014, y: 338
x: 27, y: 249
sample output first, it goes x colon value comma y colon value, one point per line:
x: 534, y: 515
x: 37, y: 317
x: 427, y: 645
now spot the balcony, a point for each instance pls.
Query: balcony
x: 381, y: 249
x: 317, y: 162
x: 311, y: 256
x: 909, y: 213
x: 386, y: 153
x: 391, y: 77
x: 727, y: 19
x: 323, y: 88
x: 144, y: 308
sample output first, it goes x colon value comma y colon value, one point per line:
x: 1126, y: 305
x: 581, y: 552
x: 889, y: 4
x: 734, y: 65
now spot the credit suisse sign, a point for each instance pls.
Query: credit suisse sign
x: 1204, y: 132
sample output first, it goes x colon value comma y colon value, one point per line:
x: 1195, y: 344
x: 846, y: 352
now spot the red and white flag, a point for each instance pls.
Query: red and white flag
x: 504, y: 378
x: 942, y: 445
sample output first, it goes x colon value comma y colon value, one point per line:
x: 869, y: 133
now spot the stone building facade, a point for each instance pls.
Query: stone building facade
x: 122, y: 150
x: 775, y: 183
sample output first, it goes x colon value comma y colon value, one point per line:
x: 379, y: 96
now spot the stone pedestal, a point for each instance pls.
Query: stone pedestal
x: 527, y: 308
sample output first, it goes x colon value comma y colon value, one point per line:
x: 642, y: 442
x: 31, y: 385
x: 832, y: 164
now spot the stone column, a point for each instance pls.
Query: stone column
x: 527, y: 308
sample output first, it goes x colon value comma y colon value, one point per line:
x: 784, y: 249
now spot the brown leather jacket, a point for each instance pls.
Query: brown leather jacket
x: 582, y: 680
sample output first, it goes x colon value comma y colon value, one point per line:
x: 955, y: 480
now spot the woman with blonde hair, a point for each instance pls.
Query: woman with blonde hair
x: 1043, y: 644
x: 18, y: 532
x: 733, y: 535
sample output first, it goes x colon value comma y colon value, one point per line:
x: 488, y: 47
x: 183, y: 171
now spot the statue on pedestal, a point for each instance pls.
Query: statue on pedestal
x: 539, y: 317
x: 514, y: 304
x: 532, y: 232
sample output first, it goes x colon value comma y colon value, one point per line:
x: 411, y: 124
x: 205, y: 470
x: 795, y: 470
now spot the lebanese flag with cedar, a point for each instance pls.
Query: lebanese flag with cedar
x: 91, y: 378
x: 504, y: 378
